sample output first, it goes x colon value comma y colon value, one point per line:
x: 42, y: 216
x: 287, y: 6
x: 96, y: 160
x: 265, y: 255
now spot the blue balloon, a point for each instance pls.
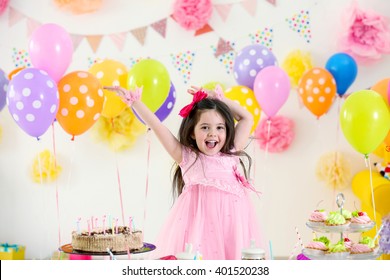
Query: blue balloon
x: 3, y: 89
x: 343, y: 67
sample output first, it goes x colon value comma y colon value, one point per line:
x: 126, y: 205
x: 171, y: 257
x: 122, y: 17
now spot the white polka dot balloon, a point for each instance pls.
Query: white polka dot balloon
x: 250, y: 61
x: 33, y: 100
x: 81, y: 102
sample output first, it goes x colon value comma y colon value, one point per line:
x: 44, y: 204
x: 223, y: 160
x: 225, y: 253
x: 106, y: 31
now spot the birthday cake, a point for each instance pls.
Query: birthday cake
x: 99, y: 240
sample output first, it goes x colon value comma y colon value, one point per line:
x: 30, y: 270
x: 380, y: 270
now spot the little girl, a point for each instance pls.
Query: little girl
x: 213, y: 211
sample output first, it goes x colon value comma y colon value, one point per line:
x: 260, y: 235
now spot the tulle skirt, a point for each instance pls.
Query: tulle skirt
x: 218, y: 224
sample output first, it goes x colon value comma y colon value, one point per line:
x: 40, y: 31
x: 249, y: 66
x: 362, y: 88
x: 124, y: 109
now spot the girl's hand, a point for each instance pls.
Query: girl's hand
x: 127, y: 96
x: 217, y: 93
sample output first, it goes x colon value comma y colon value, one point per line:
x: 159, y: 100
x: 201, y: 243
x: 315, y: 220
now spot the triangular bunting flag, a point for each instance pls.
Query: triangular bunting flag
x: 94, y: 41
x: 119, y: 39
x: 273, y: 2
x: 160, y: 27
x: 222, y: 47
x: 14, y: 16
x: 250, y: 6
x: 223, y: 10
x: 263, y: 37
x: 31, y: 26
x: 76, y: 39
x: 205, y: 29
x: 300, y: 23
x: 226, y: 59
x: 139, y: 34
x: 183, y: 62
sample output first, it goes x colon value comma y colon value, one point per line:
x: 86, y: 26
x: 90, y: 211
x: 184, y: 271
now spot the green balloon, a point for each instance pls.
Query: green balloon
x: 365, y: 120
x: 154, y: 78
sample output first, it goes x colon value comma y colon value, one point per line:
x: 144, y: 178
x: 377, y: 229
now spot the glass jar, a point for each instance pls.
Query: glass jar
x: 253, y: 252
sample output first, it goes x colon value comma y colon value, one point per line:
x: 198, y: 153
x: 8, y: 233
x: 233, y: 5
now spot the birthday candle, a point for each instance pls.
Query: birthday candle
x: 130, y: 222
x: 104, y: 226
x: 78, y: 225
x: 113, y: 227
x: 96, y: 222
x: 92, y: 222
x: 89, y: 228
x: 116, y: 225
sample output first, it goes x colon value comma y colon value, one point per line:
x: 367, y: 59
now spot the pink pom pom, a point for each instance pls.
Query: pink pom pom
x: 192, y: 14
x: 3, y: 5
x: 280, y: 135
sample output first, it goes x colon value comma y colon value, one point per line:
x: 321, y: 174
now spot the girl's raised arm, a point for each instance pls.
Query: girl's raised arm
x: 164, y: 135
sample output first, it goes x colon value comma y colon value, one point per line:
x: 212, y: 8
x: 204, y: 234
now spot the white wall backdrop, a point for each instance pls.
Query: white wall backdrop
x: 88, y: 185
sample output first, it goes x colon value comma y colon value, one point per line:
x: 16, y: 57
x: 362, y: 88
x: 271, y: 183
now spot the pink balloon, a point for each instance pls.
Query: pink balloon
x: 271, y: 88
x: 51, y: 50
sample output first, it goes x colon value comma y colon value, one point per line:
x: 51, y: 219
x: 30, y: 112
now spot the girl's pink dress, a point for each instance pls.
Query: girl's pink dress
x: 214, y: 212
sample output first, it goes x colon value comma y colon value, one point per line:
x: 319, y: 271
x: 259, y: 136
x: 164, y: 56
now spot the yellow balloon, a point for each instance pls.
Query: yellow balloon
x: 111, y: 73
x: 365, y: 120
x: 154, y: 78
x: 381, y: 190
x: 246, y: 98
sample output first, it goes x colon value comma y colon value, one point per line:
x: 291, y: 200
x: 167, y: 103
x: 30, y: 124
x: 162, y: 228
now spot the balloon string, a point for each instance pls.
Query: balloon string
x: 57, y: 196
x: 367, y: 160
x: 120, y: 188
x: 147, y: 171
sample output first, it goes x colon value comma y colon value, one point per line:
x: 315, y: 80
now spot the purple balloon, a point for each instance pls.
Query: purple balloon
x: 166, y: 108
x: 250, y: 61
x: 33, y: 100
x: 3, y: 89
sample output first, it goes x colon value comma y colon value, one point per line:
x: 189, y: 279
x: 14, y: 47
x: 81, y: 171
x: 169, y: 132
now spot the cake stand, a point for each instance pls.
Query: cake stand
x: 347, y: 228
x: 68, y: 249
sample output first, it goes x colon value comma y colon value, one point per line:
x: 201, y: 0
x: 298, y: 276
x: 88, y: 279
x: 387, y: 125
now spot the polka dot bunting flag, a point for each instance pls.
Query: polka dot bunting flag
x: 300, y: 23
x: 183, y: 62
x: 20, y: 58
x: 263, y: 37
x: 226, y: 59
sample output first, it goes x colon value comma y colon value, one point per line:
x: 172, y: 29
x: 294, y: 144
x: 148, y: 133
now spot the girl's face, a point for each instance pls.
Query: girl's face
x: 210, y: 132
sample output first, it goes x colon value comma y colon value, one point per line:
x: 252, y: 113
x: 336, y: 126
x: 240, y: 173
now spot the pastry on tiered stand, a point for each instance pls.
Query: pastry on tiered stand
x: 318, y: 246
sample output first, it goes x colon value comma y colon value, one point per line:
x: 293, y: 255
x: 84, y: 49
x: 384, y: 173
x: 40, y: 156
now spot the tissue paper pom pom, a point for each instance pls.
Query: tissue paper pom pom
x: 3, y: 5
x: 121, y: 131
x: 366, y: 35
x: 79, y: 6
x: 334, y: 170
x: 192, y: 14
x: 45, y: 168
x: 297, y: 63
x: 280, y: 135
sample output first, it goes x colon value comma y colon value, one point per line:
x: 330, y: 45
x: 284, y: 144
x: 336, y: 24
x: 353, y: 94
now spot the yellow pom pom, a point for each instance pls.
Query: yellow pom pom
x: 334, y: 170
x: 120, y: 132
x: 296, y: 64
x: 45, y: 168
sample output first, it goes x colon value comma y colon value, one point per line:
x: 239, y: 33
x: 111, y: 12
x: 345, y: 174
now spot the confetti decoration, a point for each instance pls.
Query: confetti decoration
x: 20, y: 58
x: 263, y: 37
x: 92, y: 61
x: 136, y: 60
x: 226, y: 58
x: 183, y: 63
x: 300, y: 23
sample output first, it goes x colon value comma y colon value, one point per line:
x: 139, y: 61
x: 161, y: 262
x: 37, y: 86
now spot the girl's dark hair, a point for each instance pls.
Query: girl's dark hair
x: 187, y: 129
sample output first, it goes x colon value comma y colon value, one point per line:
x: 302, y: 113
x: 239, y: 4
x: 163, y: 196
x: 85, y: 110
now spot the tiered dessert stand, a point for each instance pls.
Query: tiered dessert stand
x: 348, y: 228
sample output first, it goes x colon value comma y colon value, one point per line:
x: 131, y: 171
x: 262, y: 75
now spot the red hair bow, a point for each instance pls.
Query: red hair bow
x: 198, y: 96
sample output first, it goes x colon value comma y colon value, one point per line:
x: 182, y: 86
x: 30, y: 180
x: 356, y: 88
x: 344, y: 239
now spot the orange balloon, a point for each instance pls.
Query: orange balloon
x: 317, y: 89
x: 14, y: 72
x: 111, y: 73
x: 81, y: 102
x: 382, y: 87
